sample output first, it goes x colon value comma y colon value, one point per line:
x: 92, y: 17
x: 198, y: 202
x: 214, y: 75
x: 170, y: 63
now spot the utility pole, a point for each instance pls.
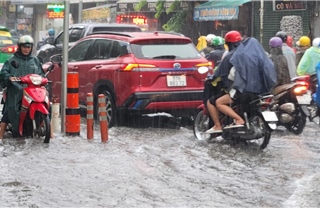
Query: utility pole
x: 80, y: 11
x: 261, y: 21
x: 64, y: 65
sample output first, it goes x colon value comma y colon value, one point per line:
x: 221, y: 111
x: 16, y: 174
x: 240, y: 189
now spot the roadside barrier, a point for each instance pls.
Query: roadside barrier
x: 72, y: 109
x: 103, y: 118
x: 90, y: 117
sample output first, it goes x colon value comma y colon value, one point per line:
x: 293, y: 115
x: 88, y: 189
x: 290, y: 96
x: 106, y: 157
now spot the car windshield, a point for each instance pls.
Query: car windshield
x: 5, y: 38
x: 165, y: 50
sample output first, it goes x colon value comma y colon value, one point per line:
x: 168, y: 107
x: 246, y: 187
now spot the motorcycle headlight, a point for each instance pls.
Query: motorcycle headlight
x: 36, y: 80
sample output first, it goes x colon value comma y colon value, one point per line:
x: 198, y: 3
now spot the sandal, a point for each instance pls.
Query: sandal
x: 233, y: 125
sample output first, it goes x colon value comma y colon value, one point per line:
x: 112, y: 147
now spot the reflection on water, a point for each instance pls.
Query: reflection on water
x: 159, y: 167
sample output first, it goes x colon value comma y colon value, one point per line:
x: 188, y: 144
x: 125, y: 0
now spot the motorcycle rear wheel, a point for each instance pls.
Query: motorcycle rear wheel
x: 200, y: 125
x: 259, y: 122
x: 298, y: 124
x: 42, y: 129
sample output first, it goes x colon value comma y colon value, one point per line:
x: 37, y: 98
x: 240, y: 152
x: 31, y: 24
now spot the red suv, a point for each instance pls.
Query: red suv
x: 142, y: 72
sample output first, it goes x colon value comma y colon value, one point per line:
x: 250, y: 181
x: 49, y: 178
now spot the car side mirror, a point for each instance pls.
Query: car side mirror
x: 15, y: 64
x: 56, y: 59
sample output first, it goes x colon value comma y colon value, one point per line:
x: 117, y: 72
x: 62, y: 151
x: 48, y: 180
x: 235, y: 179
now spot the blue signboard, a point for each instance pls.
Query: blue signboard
x: 215, y: 13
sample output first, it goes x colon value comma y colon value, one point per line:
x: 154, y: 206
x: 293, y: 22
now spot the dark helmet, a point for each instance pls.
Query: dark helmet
x: 51, y: 32
x: 283, y: 35
x: 275, y: 42
x: 232, y: 37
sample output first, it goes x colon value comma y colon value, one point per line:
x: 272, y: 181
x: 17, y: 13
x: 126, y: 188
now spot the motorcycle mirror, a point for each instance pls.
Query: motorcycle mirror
x: 203, y: 69
x: 15, y: 64
x: 50, y: 68
x: 56, y: 59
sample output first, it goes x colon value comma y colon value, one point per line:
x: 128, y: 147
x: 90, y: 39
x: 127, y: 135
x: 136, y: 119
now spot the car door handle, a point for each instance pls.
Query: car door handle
x: 74, y: 68
x: 98, y: 66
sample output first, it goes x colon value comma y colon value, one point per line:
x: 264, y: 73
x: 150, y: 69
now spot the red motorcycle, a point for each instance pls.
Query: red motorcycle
x: 35, y: 107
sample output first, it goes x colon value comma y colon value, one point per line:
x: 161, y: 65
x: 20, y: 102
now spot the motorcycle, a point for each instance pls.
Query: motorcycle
x: 291, y: 103
x: 260, y: 121
x: 35, y: 106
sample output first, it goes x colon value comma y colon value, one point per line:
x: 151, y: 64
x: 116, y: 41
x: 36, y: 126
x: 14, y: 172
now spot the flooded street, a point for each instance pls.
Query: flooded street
x: 160, y: 167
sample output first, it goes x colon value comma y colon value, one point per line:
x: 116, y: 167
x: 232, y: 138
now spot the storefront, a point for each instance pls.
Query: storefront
x: 223, y: 16
x: 133, y: 12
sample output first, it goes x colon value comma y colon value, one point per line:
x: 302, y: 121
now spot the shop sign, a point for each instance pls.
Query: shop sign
x: 55, y: 11
x: 148, y: 7
x: 98, y: 13
x: 289, y: 5
x: 217, y: 13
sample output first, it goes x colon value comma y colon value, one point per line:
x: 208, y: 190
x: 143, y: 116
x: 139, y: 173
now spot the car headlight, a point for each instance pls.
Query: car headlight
x: 36, y: 80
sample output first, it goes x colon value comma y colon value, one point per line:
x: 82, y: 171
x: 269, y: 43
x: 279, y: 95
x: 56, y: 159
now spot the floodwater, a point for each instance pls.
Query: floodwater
x: 156, y: 166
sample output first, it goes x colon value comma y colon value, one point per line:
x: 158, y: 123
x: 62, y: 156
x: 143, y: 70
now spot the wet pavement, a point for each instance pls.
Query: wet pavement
x: 160, y: 165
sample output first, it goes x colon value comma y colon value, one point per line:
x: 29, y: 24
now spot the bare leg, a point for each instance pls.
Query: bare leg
x: 223, y: 105
x: 214, y: 114
x: 3, y: 127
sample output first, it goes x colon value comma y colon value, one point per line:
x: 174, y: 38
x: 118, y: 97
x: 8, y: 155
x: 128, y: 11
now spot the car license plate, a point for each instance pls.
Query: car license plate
x: 304, y: 99
x: 176, y: 81
x: 269, y: 116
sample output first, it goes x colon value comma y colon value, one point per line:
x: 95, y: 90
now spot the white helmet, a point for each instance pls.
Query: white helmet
x: 316, y: 42
x: 210, y: 37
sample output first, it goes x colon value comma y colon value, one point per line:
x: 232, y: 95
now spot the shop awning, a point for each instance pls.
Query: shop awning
x: 218, y: 10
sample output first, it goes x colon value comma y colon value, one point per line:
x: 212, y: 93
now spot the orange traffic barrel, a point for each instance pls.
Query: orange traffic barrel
x: 72, y: 109
x: 103, y: 118
x: 72, y: 90
x: 90, y: 118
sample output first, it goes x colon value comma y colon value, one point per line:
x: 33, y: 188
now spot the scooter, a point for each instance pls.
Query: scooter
x: 260, y: 122
x: 291, y: 103
x: 35, y: 108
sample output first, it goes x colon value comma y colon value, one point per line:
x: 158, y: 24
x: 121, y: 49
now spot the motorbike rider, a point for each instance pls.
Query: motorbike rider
x: 303, y: 44
x: 254, y: 74
x: 288, y: 53
x: 232, y: 40
x: 209, y: 47
x: 310, y: 59
x: 51, y: 34
x: 20, y: 64
x: 289, y: 42
x: 280, y: 62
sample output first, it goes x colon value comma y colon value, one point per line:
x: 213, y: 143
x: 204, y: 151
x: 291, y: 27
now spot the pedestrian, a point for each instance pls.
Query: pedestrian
x: 288, y: 53
x: 20, y: 64
x: 280, y: 62
x: 303, y: 44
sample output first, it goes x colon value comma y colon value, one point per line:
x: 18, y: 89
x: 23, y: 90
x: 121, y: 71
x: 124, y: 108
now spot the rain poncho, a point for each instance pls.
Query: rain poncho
x: 27, y: 65
x: 309, y: 61
x: 281, y: 66
x: 291, y: 59
x: 255, y: 72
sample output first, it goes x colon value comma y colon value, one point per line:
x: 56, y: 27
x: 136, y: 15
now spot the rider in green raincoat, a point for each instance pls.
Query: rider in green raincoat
x: 20, y: 64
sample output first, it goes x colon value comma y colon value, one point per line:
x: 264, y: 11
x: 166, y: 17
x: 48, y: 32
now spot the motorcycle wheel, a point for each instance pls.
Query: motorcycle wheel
x: 298, y: 124
x: 259, y: 122
x: 42, y: 128
x: 200, y: 125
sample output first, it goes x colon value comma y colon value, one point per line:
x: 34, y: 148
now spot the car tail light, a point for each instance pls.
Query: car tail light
x: 207, y: 64
x: 9, y: 49
x: 140, y: 67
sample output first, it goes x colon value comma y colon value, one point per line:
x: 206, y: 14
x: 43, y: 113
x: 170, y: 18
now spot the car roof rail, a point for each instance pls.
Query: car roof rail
x: 111, y: 33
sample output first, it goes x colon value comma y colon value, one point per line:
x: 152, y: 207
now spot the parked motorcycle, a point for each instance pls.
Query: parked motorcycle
x: 260, y: 122
x: 291, y: 103
x: 35, y: 106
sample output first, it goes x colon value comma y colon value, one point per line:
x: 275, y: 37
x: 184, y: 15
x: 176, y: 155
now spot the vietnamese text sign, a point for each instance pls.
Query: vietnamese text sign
x: 217, y: 13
